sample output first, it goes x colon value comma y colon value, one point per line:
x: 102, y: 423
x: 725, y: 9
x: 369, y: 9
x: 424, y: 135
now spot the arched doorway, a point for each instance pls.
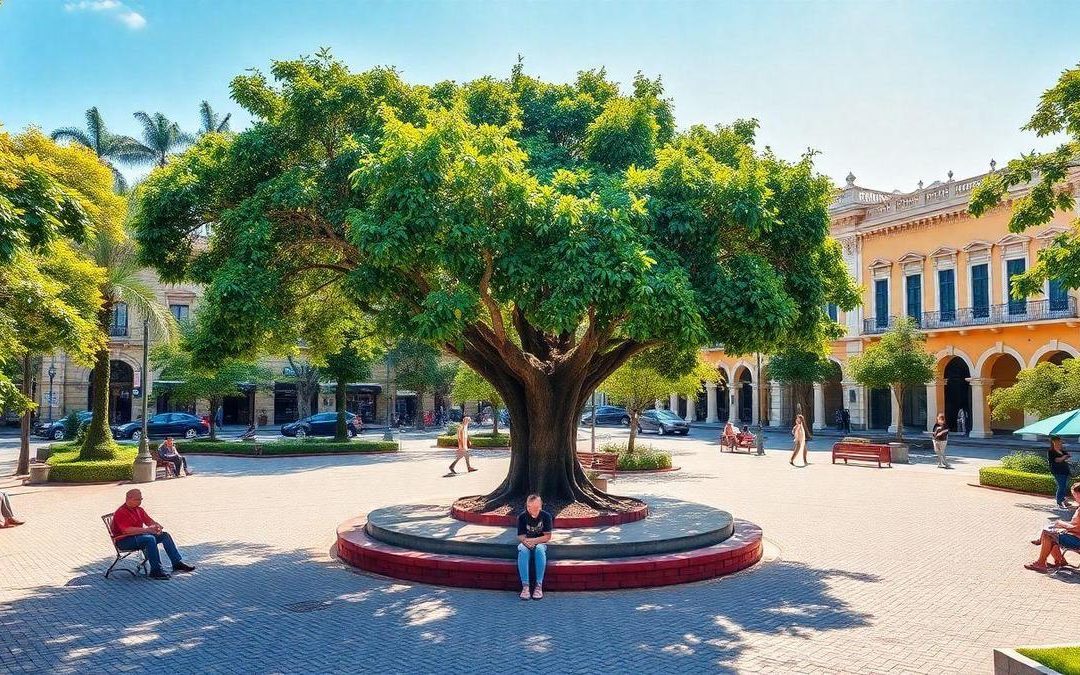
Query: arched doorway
x: 880, y: 408
x: 746, y: 395
x: 957, y: 391
x: 1003, y: 369
x: 915, y: 407
x: 1056, y: 358
x: 121, y: 382
x: 833, y: 393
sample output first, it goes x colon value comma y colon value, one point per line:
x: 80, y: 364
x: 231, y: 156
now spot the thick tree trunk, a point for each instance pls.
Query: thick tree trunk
x: 418, y: 423
x: 341, y: 429
x: 99, y: 443
x: 23, y: 466
x: 495, y: 420
x: 214, y: 403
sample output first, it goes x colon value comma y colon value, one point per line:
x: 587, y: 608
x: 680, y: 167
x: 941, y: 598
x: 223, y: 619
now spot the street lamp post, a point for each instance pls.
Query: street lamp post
x: 52, y: 374
x: 389, y: 434
x: 761, y: 417
x: 592, y: 425
x: 144, y: 470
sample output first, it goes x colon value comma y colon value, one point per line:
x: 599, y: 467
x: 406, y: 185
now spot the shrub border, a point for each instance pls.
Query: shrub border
x: 444, y: 441
x: 1009, y: 478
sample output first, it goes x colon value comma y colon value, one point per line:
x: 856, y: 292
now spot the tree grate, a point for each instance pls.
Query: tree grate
x: 307, y: 606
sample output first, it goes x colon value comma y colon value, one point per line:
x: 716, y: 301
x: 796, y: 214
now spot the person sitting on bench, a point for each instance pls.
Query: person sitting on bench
x: 744, y: 436
x: 1061, y: 534
x: 168, y: 453
x: 534, y: 532
x: 133, y: 530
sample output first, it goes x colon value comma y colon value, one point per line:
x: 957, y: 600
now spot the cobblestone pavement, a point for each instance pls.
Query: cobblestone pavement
x: 871, y: 571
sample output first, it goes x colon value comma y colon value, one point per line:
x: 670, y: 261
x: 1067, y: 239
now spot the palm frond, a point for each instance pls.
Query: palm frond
x: 139, y: 294
x: 224, y: 126
x: 95, y: 127
x: 120, y: 184
x: 209, y: 119
x: 131, y: 151
x: 72, y: 134
x: 148, y: 125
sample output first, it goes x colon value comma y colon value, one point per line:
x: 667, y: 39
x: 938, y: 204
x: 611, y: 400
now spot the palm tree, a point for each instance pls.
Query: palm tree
x: 161, y: 138
x: 211, y: 123
x: 116, y: 254
x: 109, y: 147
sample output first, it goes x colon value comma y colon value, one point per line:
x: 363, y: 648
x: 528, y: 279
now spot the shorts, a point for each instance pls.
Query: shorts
x: 1068, y: 540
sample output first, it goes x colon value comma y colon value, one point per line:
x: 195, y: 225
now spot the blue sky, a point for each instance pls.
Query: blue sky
x: 894, y: 91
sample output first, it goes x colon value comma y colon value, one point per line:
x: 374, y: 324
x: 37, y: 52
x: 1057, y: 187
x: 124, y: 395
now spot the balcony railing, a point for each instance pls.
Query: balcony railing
x: 1021, y: 311
x: 118, y: 331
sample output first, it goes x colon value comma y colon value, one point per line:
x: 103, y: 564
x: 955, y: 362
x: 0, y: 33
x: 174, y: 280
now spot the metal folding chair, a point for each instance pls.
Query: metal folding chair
x: 141, y: 568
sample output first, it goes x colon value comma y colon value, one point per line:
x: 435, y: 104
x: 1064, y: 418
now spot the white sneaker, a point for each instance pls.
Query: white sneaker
x: 524, y: 593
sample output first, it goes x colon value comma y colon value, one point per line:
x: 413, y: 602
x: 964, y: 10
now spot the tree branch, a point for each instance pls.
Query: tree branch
x: 489, y: 302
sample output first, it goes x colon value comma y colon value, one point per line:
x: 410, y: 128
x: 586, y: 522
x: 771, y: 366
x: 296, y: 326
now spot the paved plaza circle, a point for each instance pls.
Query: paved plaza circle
x: 893, y: 570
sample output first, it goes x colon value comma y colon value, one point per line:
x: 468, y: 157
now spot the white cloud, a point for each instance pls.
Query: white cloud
x: 114, y: 8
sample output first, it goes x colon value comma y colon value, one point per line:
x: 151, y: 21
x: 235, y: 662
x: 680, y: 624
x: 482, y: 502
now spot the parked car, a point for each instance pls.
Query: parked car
x: 10, y: 418
x: 164, y: 424
x: 55, y: 430
x: 607, y: 414
x: 319, y: 424
x: 662, y: 422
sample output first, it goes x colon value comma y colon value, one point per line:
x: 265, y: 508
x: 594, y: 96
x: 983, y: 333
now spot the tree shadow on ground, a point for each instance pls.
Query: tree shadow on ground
x: 254, y: 608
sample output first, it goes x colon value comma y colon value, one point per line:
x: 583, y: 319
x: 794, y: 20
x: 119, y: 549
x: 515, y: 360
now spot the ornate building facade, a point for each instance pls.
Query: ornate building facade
x: 921, y: 254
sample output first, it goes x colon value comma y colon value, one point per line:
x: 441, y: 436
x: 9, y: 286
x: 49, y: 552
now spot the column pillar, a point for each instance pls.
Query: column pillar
x: 980, y: 418
x: 710, y: 403
x: 756, y: 403
x: 819, y: 407
x: 895, y: 414
x: 776, y: 403
x: 691, y: 408
x: 673, y: 403
x: 855, y: 408
x: 933, y: 388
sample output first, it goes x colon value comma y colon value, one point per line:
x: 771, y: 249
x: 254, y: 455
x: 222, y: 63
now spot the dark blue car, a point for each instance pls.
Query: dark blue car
x: 319, y: 424
x: 607, y: 414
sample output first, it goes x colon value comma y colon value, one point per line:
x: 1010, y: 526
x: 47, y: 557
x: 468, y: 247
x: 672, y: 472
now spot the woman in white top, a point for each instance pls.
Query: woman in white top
x: 799, y: 434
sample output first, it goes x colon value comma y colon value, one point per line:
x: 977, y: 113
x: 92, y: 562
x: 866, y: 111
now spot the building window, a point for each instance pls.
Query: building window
x: 881, y: 302
x: 119, y: 327
x: 1015, y: 267
x: 180, y: 312
x: 947, y: 295
x: 914, y: 297
x: 980, y: 291
x: 1058, y: 295
x: 833, y: 311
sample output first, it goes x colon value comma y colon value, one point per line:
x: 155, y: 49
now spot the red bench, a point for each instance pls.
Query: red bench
x: 747, y: 441
x: 599, y: 461
x: 863, y: 452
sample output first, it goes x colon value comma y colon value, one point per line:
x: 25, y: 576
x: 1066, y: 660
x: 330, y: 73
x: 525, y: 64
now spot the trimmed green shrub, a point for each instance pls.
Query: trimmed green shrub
x: 1039, y: 483
x: 66, y: 467
x: 1028, y: 462
x: 644, y: 457
x: 1065, y: 660
x: 487, y: 440
x: 71, y: 426
x: 451, y: 428
x: 305, y: 447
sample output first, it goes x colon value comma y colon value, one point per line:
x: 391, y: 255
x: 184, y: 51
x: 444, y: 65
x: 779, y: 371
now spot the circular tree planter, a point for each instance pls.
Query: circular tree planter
x: 463, y: 510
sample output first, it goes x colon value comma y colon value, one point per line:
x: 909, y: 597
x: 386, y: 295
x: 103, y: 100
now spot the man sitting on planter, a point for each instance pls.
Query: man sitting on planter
x: 534, y: 532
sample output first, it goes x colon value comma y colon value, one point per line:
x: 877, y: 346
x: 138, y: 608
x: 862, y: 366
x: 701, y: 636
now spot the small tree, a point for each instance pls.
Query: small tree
x: 471, y: 386
x: 800, y: 369
x: 233, y: 377
x: 898, y: 361
x: 637, y: 384
x: 352, y: 362
x: 416, y: 367
x: 308, y: 379
x: 1045, y: 390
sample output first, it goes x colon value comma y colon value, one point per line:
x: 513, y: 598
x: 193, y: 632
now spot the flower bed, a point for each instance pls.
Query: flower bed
x: 68, y: 468
x: 487, y: 440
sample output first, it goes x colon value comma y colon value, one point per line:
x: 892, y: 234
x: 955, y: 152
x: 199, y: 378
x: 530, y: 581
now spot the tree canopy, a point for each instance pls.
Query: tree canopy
x: 898, y: 361
x: 543, y: 233
x: 1045, y: 390
x: 1058, y: 112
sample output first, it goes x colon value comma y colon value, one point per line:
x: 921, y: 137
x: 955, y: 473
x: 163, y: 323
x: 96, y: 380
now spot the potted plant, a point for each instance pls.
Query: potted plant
x: 596, y: 479
x: 39, y: 473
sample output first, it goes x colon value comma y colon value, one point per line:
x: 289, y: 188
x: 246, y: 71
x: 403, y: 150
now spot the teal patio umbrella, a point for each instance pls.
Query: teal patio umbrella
x: 1065, y: 424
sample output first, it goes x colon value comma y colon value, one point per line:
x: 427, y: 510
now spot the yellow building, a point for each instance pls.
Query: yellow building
x: 921, y: 254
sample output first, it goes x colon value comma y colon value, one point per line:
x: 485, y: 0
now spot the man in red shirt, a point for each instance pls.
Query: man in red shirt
x: 133, y: 529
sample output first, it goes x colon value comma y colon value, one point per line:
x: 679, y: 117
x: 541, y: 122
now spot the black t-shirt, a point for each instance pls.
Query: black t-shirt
x: 941, y: 432
x: 1056, y: 466
x: 534, y: 527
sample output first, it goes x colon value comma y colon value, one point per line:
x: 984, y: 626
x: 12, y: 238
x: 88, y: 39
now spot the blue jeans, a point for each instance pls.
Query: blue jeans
x: 149, y: 543
x: 1062, y: 480
x: 523, y: 563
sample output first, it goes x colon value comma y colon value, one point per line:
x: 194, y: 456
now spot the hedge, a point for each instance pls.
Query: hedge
x: 1028, y: 462
x: 643, y: 458
x: 1040, y: 483
x: 306, y: 447
x: 67, y: 468
x: 1065, y: 660
x: 488, y: 440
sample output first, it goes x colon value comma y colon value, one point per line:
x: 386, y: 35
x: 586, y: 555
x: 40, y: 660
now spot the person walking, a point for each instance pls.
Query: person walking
x: 462, y: 446
x: 8, y: 515
x: 940, y: 433
x: 1059, y: 469
x: 961, y: 422
x: 847, y: 420
x: 798, y: 432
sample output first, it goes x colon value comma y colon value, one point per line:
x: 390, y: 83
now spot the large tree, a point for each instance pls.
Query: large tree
x: 899, y: 361
x: 109, y: 147
x: 1049, y: 174
x: 638, y: 384
x: 543, y: 233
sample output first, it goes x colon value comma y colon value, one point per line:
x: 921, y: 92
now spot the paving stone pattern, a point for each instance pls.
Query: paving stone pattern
x: 870, y: 571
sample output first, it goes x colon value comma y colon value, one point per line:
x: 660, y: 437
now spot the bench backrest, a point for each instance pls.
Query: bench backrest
x: 599, y: 460
x: 107, y: 519
x: 869, y: 448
